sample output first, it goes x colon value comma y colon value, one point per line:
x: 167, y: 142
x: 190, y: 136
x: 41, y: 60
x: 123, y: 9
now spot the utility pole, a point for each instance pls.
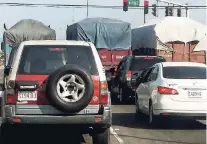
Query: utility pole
x: 146, y: 9
x: 87, y: 9
x: 157, y: 6
x: 187, y: 12
x: 73, y: 16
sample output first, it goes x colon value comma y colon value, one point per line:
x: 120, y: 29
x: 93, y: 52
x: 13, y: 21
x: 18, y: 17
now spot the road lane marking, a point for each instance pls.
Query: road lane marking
x: 113, y: 132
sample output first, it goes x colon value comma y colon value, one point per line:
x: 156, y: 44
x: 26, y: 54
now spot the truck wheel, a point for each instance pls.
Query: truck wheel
x: 101, y: 136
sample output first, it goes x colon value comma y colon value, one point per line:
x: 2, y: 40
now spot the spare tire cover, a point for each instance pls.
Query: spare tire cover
x: 54, y: 87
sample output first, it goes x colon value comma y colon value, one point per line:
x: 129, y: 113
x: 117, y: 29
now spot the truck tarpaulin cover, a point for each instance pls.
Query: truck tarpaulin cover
x: 103, y: 32
x: 28, y: 29
x: 169, y: 29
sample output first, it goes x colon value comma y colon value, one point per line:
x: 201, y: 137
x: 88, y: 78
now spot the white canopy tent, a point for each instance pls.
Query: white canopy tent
x: 202, y: 45
x: 169, y: 29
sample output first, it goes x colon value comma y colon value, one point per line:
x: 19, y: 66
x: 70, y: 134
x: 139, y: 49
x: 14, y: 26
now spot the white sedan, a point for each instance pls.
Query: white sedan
x: 173, y: 88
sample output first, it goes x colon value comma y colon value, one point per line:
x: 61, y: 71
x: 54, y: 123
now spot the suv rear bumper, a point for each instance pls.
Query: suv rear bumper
x: 104, y: 119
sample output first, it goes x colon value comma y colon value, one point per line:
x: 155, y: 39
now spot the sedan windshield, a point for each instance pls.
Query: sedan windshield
x: 184, y: 72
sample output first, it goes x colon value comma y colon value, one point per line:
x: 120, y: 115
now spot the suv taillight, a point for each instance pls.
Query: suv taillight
x: 167, y: 91
x: 11, y: 99
x: 104, y: 93
x: 128, y: 75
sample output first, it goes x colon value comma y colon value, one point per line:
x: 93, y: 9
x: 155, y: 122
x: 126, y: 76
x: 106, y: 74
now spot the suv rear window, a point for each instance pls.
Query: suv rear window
x: 44, y: 59
x: 184, y: 72
x: 140, y: 63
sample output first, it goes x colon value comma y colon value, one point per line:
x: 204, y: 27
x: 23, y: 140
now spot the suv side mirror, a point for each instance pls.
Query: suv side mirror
x: 140, y: 78
x: 7, y: 70
x: 136, y: 74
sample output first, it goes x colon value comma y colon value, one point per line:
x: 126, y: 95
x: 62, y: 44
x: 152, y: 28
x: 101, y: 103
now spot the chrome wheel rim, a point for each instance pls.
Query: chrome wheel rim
x: 70, y: 88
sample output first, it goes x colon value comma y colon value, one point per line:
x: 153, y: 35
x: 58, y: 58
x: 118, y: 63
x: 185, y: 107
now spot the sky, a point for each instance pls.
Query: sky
x: 59, y: 18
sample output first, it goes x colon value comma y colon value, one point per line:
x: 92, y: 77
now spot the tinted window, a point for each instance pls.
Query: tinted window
x: 144, y: 73
x: 147, y: 78
x: 183, y: 72
x: 142, y: 63
x: 46, y: 59
x: 154, y: 74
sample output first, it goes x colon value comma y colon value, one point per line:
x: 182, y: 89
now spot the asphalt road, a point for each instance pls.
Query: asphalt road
x: 173, y: 131
x: 126, y: 130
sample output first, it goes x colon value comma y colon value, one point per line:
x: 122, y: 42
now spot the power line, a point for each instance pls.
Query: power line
x: 93, y: 6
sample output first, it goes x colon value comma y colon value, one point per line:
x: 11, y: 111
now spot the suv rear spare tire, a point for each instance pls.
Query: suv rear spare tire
x: 70, y: 88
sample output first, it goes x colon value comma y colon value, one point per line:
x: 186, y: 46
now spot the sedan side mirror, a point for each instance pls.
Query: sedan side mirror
x: 139, y: 80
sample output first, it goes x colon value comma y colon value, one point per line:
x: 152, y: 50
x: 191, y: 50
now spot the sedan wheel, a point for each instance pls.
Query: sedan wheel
x: 138, y: 115
x: 136, y: 105
x: 151, y: 115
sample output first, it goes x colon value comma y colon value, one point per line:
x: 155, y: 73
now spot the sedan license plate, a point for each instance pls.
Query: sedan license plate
x: 27, y: 96
x: 194, y: 94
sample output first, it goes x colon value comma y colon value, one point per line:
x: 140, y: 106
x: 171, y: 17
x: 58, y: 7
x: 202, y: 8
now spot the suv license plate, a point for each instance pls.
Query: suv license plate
x: 194, y: 94
x: 27, y: 96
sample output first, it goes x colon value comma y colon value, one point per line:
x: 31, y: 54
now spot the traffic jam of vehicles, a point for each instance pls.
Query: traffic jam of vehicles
x: 158, y: 67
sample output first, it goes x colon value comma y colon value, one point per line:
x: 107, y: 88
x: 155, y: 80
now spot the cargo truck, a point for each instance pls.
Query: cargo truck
x: 173, y: 41
x: 111, y: 37
x: 24, y: 30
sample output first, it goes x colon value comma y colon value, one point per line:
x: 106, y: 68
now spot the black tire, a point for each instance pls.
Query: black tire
x: 56, y: 101
x: 101, y: 136
x: 114, y: 98
x: 115, y: 94
x: 122, y: 93
x: 155, y: 119
x: 138, y: 114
